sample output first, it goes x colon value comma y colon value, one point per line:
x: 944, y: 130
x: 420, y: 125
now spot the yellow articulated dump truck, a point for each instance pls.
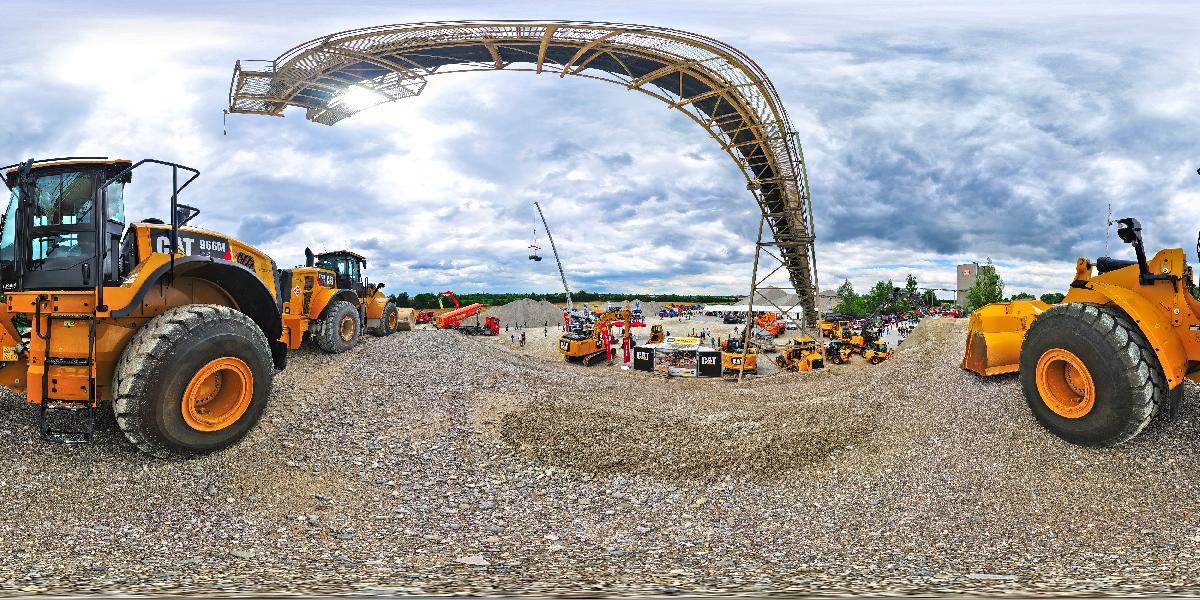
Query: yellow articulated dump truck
x: 173, y: 328
x: 1097, y: 367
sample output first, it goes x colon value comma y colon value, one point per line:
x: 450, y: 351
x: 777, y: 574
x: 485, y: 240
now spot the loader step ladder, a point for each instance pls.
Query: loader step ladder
x: 58, y: 406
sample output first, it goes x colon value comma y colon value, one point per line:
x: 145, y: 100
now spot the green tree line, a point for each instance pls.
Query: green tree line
x: 851, y: 303
x: 988, y: 288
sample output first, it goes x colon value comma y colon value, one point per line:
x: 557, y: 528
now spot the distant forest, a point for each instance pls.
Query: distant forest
x: 429, y: 299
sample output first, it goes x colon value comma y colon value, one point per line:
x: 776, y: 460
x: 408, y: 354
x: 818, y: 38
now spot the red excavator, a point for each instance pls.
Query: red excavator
x: 454, y: 319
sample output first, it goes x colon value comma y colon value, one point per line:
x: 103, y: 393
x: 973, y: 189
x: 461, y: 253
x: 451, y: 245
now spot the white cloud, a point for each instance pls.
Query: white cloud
x: 934, y: 133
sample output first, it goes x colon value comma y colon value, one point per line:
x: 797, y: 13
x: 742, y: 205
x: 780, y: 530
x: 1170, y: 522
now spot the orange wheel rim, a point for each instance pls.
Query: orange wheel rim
x: 346, y: 328
x: 218, y: 394
x: 391, y: 322
x: 1065, y: 384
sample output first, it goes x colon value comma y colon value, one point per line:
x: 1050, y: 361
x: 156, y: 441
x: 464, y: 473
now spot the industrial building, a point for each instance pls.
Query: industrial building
x: 967, y: 275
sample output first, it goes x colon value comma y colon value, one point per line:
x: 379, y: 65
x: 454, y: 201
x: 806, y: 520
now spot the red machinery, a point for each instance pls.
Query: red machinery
x: 770, y: 323
x: 454, y: 318
x: 425, y: 316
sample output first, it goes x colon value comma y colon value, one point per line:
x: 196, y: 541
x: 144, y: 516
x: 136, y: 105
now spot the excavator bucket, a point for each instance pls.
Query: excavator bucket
x: 995, y: 333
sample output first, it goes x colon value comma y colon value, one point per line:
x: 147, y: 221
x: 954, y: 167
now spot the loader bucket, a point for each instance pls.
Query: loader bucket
x: 995, y: 333
x: 406, y: 319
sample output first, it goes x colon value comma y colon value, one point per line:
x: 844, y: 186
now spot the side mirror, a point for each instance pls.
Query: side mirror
x: 184, y: 214
x: 1129, y: 229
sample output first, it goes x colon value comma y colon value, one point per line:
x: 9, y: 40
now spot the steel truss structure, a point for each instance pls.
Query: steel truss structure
x: 716, y: 85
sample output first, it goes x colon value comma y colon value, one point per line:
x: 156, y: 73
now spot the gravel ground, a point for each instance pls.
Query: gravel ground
x: 429, y: 462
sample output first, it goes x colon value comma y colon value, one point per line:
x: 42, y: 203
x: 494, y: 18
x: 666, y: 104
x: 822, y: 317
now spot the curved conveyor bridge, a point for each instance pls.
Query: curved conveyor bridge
x: 716, y: 85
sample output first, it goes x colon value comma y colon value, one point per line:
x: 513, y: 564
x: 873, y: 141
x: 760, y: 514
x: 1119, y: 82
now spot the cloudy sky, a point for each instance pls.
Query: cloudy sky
x: 935, y: 133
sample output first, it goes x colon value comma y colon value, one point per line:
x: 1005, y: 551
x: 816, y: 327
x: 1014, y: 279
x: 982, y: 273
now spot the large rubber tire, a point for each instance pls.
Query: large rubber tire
x: 1128, y: 381
x: 331, y: 333
x: 161, y: 360
x: 390, y: 316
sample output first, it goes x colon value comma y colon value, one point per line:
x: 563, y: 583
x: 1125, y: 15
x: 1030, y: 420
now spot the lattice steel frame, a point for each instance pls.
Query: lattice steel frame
x: 716, y: 85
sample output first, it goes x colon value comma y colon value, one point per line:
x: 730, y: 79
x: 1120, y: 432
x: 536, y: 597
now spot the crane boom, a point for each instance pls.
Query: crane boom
x: 561, y: 273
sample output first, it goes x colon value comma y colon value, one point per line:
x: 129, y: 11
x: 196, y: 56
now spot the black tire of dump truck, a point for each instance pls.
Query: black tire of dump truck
x: 192, y: 380
x: 388, y: 322
x: 1089, y: 375
x: 340, y: 327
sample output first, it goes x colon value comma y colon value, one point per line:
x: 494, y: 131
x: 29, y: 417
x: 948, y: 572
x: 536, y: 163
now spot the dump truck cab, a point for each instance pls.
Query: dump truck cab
x: 92, y: 305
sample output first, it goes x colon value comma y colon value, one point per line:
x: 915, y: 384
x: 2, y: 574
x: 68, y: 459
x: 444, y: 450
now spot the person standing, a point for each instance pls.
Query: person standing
x: 522, y: 339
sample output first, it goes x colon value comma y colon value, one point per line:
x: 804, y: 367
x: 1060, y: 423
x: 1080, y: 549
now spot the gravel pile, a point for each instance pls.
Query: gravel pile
x: 649, y: 308
x: 430, y: 462
x: 526, y: 311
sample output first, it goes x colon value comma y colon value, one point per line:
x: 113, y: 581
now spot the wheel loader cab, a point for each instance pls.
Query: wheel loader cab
x: 50, y: 232
x: 347, y: 268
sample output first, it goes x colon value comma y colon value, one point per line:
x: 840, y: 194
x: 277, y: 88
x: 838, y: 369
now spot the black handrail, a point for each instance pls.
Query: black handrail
x: 102, y: 248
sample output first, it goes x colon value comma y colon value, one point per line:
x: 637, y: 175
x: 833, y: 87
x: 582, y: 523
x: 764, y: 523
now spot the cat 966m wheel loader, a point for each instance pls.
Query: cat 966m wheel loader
x: 1098, y: 366
x: 176, y: 328
x: 332, y: 302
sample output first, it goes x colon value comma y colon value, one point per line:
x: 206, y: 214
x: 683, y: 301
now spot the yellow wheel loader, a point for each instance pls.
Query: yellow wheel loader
x: 802, y: 355
x: 1097, y: 367
x: 331, y: 301
x: 838, y: 352
x: 175, y: 329
x: 878, y: 351
x: 736, y: 358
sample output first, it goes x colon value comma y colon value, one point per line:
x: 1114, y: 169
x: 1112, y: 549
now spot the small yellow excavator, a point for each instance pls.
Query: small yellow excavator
x: 1097, y: 367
